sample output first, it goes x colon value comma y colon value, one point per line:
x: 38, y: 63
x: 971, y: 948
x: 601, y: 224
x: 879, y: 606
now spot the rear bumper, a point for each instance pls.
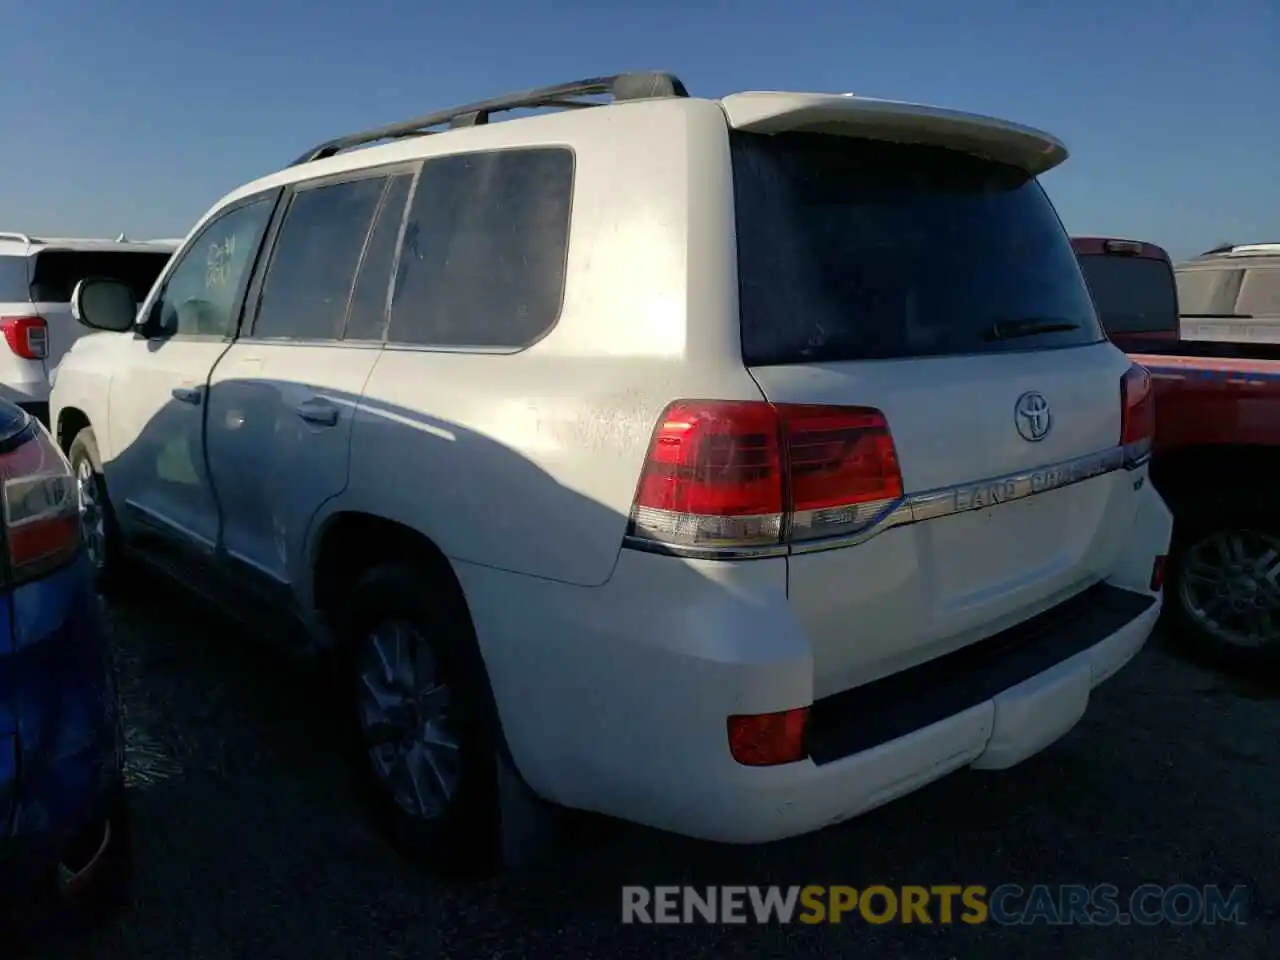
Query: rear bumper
x: 615, y: 698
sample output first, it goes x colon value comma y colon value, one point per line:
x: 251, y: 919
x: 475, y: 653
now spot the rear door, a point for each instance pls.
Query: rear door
x: 283, y: 398
x: 941, y: 289
x: 55, y: 273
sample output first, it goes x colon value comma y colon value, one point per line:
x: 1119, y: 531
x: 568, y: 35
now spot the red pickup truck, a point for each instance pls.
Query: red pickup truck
x: 1216, y: 456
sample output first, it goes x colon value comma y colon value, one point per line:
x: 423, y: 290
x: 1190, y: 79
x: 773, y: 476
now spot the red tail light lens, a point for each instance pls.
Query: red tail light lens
x: 1137, y: 414
x: 768, y: 739
x: 843, y: 468
x: 1157, y: 572
x: 28, y: 337
x: 755, y: 474
x: 40, y: 509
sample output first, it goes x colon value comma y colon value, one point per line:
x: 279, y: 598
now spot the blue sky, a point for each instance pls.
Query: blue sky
x: 137, y: 118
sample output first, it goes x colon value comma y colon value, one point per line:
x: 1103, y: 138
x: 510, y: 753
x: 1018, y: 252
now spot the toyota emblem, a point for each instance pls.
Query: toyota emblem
x: 1032, y: 416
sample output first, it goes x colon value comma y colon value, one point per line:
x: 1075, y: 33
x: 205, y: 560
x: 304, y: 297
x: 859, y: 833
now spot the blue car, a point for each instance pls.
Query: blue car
x: 64, y: 831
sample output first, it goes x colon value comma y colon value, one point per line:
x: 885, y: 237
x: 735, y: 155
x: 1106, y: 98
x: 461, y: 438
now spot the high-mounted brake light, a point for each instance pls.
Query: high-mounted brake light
x: 754, y: 475
x: 1130, y: 247
x: 27, y: 337
x: 1137, y: 415
x: 39, y: 506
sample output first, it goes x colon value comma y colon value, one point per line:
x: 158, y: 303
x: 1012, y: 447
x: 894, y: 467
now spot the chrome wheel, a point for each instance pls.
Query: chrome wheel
x: 1229, y: 587
x: 93, y: 526
x: 404, y: 712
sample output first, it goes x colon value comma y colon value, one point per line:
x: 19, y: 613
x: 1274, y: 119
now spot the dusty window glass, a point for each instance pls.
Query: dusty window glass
x: 313, y: 266
x: 483, y: 259
x: 202, y: 293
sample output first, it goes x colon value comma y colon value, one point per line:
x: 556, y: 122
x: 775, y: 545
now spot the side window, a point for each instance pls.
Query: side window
x: 202, y: 292
x: 14, y: 283
x: 483, y: 259
x: 1207, y: 292
x: 304, y: 295
x: 367, y: 315
x: 1260, y: 292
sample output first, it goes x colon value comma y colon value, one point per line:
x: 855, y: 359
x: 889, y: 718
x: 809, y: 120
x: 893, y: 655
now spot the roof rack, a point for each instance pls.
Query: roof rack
x: 619, y: 87
x: 13, y: 235
x: 1257, y: 248
x: 1244, y: 249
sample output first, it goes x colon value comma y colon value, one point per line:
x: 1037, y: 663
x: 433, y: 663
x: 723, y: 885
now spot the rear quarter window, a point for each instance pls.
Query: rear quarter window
x: 857, y: 250
x: 482, y: 263
x: 57, y: 272
x: 14, y: 282
x: 1132, y: 294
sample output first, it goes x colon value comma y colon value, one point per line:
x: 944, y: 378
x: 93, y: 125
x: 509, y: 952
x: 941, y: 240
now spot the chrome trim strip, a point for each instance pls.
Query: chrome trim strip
x: 924, y: 506
x: 704, y: 552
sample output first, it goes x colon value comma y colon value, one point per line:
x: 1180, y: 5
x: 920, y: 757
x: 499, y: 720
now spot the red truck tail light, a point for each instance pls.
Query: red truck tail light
x: 751, y: 474
x: 1137, y: 414
x: 40, y: 507
x: 27, y: 337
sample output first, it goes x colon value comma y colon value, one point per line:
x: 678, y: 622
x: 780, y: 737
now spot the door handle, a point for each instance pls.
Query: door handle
x: 317, y: 411
x: 188, y: 394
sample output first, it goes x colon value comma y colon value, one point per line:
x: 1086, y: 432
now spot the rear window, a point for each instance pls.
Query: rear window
x: 858, y: 250
x: 1132, y: 294
x: 13, y: 279
x: 57, y: 272
x: 1208, y: 292
x: 1260, y: 292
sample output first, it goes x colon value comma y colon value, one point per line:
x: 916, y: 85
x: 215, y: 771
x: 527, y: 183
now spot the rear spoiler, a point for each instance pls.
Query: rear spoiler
x: 1024, y: 147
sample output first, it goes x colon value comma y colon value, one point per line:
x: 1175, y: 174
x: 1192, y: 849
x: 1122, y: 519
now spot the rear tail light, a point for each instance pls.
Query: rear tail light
x: 1137, y: 415
x: 40, y: 508
x: 28, y: 337
x: 768, y: 739
x: 1157, y: 573
x: 752, y: 475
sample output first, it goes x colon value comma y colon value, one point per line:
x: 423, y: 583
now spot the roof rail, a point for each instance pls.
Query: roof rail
x: 1224, y: 248
x: 622, y: 86
x: 13, y: 235
x: 1256, y: 248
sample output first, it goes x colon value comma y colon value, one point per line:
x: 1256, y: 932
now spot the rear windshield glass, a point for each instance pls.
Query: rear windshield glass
x: 1132, y: 294
x: 57, y: 272
x: 856, y: 250
x: 13, y: 279
x: 1208, y: 292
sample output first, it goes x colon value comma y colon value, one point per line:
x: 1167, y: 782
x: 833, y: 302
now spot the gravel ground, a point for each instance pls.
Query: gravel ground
x: 249, y: 845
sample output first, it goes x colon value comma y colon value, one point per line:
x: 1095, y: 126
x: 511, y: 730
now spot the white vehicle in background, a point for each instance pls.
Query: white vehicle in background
x: 730, y: 466
x: 36, y: 280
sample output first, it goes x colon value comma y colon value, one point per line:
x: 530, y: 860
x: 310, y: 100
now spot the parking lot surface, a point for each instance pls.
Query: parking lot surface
x: 250, y: 846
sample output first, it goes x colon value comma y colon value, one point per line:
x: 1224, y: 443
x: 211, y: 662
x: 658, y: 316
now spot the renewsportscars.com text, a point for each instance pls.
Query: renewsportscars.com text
x: 1008, y: 904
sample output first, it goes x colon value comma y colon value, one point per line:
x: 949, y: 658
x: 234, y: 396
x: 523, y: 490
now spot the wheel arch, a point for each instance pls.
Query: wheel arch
x: 71, y: 420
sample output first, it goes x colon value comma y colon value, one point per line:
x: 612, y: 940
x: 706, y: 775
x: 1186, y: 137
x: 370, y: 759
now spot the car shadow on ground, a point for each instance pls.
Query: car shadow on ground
x: 250, y: 842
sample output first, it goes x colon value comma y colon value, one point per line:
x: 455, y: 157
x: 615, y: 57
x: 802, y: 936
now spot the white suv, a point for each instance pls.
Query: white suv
x: 36, y: 280
x: 731, y: 466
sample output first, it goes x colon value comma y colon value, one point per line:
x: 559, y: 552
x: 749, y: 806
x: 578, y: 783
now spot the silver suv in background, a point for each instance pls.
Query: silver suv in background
x: 1231, y: 294
x: 36, y: 279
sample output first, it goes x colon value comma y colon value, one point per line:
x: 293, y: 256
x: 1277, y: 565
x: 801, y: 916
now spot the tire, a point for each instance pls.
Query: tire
x: 449, y: 822
x: 112, y: 890
x: 105, y: 557
x: 1205, y: 527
